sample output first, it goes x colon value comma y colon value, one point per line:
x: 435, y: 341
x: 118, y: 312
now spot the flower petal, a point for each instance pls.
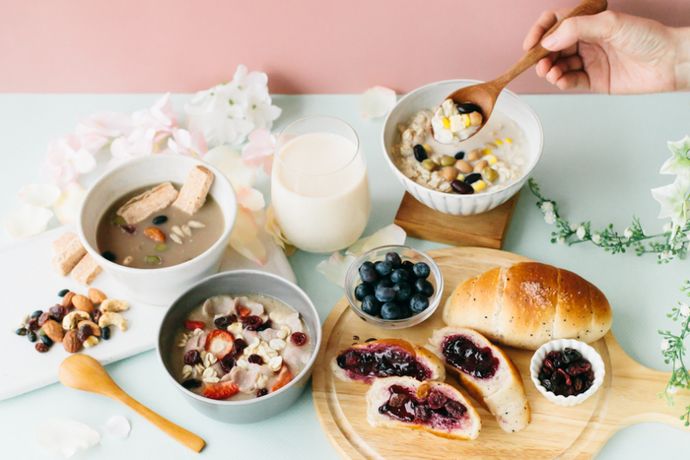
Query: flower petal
x: 377, y: 102
x: 389, y: 235
x: 67, y: 207
x: 229, y: 162
x: 66, y: 437
x: 118, y: 426
x: 42, y: 195
x: 83, y: 161
x: 250, y: 198
x: 245, y: 237
x: 27, y: 220
x: 335, y: 267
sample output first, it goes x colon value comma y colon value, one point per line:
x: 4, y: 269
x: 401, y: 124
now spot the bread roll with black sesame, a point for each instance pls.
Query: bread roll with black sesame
x: 528, y: 304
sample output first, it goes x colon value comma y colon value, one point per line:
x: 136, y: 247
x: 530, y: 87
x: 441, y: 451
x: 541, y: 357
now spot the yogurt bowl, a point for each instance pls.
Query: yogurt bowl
x: 509, y: 105
x: 155, y: 286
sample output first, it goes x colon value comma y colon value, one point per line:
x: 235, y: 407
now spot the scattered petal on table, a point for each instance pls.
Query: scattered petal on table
x: 377, y: 102
x: 229, y: 162
x: 42, y: 195
x: 259, y: 150
x: 83, y: 161
x: 66, y: 437
x: 389, y: 235
x: 335, y: 267
x: 250, y: 198
x: 188, y: 143
x: 245, y: 237
x: 118, y: 426
x: 27, y: 220
x: 67, y: 207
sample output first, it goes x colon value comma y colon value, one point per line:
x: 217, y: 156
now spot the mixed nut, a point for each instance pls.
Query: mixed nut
x: 77, y: 321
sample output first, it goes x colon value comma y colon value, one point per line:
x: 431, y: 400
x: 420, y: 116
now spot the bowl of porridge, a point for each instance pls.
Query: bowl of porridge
x: 240, y: 345
x: 437, y: 151
x: 158, y: 224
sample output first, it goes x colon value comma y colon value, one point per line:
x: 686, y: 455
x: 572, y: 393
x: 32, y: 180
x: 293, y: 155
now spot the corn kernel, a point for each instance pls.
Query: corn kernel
x: 446, y: 122
x: 479, y: 185
x: 465, y: 120
x: 487, y: 151
x: 491, y: 159
x: 498, y: 142
x: 461, y: 177
x: 508, y: 140
x: 427, y: 147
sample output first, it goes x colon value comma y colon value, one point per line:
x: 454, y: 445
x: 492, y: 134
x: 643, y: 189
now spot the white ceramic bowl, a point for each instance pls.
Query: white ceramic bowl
x: 432, y: 95
x: 586, y: 351
x: 155, y: 286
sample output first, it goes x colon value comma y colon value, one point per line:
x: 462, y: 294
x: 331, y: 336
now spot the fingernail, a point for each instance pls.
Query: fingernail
x: 549, y: 42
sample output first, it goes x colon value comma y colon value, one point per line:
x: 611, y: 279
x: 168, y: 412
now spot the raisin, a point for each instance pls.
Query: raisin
x: 192, y: 357
x: 298, y: 338
x: 261, y: 392
x: 41, y: 347
x: 255, y: 359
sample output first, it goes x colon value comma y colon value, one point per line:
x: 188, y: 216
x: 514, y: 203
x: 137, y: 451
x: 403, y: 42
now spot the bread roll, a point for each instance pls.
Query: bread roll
x: 528, y: 304
x: 458, y: 422
x: 486, y: 373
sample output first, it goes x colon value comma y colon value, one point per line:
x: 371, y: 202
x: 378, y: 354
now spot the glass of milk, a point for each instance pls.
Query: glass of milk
x: 319, y: 187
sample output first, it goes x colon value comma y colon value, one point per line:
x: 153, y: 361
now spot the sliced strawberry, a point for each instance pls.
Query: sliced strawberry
x: 284, y: 377
x: 220, y: 390
x: 243, y: 311
x: 219, y: 342
x: 191, y: 325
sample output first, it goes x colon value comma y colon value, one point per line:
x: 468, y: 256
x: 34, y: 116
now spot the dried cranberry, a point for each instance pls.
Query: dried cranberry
x: 222, y: 322
x: 227, y: 363
x: 255, y: 359
x: 45, y: 316
x: 422, y: 412
x: 33, y: 324
x: 436, y: 400
x: 579, y: 368
x: 96, y: 315
x: 298, y: 338
x: 41, y: 347
x: 570, y: 355
x: 239, y: 346
x: 128, y: 228
x: 192, y: 357
x: 84, y: 332
x: 261, y: 392
x: 252, y: 322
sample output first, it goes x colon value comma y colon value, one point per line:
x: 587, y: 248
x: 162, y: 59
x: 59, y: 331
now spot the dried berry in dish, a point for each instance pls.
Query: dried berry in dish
x: 234, y: 348
x: 486, y: 372
x: 566, y: 373
x: 366, y: 362
x: 393, y: 289
x: 431, y: 406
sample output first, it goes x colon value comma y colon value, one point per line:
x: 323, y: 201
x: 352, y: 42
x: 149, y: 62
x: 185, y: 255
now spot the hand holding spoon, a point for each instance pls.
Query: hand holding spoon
x: 484, y: 95
x: 85, y: 373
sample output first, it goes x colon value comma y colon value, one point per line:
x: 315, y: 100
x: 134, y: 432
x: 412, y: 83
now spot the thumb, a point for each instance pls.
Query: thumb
x: 595, y: 28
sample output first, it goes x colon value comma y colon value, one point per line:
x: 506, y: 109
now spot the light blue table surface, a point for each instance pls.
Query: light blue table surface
x: 601, y: 156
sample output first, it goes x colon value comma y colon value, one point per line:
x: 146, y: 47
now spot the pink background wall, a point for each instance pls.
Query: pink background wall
x: 317, y: 46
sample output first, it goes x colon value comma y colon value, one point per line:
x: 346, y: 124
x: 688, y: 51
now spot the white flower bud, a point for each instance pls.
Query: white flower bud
x: 672, y: 390
x: 684, y: 310
x: 628, y: 233
x: 550, y: 218
x: 596, y: 238
x: 581, y: 232
x: 547, y: 206
x: 664, y: 345
x: 561, y: 240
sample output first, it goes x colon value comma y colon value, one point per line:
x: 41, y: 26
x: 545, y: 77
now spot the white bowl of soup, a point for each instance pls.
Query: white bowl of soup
x: 156, y: 257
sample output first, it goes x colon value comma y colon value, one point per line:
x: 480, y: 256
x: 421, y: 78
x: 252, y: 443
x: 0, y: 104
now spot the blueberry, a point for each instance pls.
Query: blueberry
x: 460, y: 155
x: 362, y: 291
x: 390, y: 310
x: 371, y: 306
x: 383, y: 268
x: 405, y: 312
x: 419, y: 152
x: 368, y: 273
x: 424, y: 287
x: 472, y: 178
x: 400, y: 274
x: 407, y: 265
x: 419, y: 303
x: 385, y: 292
x: 393, y: 258
x: 403, y: 291
x: 421, y: 270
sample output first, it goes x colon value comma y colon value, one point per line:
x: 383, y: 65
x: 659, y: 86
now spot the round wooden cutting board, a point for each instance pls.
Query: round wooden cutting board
x: 628, y: 395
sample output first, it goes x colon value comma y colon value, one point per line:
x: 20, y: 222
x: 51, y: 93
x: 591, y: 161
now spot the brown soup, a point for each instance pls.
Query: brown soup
x: 166, y: 238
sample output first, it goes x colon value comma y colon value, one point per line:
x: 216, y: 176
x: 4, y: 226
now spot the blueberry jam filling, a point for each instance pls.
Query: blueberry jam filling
x: 436, y: 409
x: 465, y: 355
x: 381, y: 361
x: 566, y: 372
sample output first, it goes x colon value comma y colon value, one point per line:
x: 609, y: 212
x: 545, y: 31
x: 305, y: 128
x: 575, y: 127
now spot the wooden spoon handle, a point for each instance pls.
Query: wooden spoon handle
x: 531, y: 57
x: 181, y: 435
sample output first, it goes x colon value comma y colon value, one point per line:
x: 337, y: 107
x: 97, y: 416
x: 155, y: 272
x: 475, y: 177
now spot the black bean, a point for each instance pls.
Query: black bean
x: 107, y: 255
x: 461, y: 187
x: 419, y: 152
x: 191, y: 383
x: 105, y: 333
x: 45, y: 339
x: 460, y: 155
x: 21, y: 331
x: 468, y: 107
x: 36, y: 313
x: 472, y: 178
x: 63, y: 292
x: 159, y: 220
x: 31, y: 335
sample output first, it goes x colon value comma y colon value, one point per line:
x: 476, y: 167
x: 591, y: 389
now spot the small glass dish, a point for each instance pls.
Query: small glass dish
x: 352, y: 279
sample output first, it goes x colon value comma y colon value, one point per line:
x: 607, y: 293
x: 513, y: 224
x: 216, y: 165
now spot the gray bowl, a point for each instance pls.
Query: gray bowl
x: 239, y: 282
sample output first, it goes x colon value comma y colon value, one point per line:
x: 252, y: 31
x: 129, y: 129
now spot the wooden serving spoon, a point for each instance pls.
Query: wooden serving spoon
x: 85, y: 373
x: 485, y: 94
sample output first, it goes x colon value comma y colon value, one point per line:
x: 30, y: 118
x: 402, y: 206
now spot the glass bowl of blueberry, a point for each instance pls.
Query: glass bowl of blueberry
x: 394, y: 287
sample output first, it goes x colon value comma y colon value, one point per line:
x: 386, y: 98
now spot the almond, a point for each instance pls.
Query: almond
x: 155, y: 234
x: 96, y: 296
x: 53, y: 330
x: 82, y: 303
x: 71, y: 342
x: 67, y: 299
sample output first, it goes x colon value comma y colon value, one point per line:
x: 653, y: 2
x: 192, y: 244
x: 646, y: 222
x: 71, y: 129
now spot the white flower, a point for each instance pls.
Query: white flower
x: 628, y: 233
x: 549, y: 217
x: 684, y: 310
x: 561, y: 240
x: 581, y: 232
x: 679, y: 163
x: 67, y: 206
x: 672, y: 390
x: 376, y: 102
x: 596, y: 238
x: 547, y: 206
x: 665, y: 256
x: 674, y: 200
x: 665, y: 344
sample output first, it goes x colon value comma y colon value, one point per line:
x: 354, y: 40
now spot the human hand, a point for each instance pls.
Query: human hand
x: 612, y: 53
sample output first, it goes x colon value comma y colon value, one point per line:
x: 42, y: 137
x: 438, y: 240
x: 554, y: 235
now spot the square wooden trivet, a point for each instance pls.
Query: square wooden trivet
x: 486, y: 230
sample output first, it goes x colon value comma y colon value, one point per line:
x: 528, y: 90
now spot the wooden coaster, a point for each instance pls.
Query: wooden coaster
x: 486, y: 230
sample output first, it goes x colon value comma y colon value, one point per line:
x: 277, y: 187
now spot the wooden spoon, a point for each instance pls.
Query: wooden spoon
x: 485, y: 94
x: 85, y: 373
